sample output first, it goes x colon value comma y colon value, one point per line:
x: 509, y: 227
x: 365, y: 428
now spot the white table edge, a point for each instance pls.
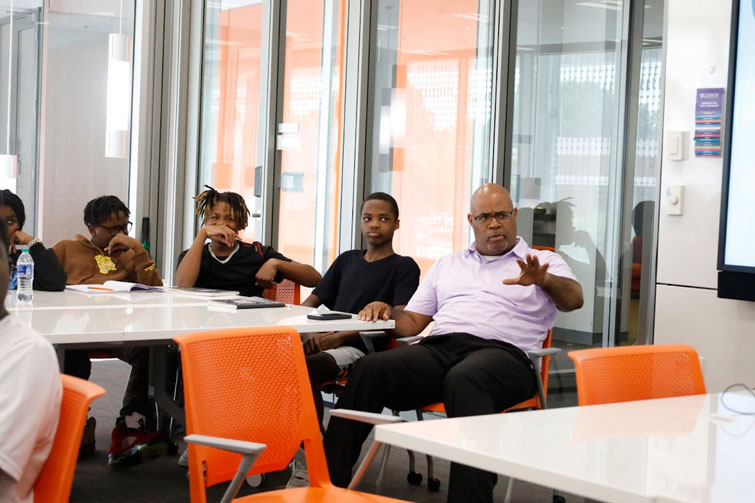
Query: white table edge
x: 393, y: 435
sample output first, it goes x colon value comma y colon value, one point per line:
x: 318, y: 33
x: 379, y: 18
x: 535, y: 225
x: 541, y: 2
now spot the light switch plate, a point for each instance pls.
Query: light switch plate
x: 673, y: 199
x: 676, y: 145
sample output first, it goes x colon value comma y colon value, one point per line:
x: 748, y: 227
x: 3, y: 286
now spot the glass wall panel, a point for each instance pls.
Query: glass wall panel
x: 567, y: 118
x: 309, y: 131
x: 639, y: 224
x: 20, y: 64
x: 70, y: 107
x: 431, y: 115
x: 230, y: 101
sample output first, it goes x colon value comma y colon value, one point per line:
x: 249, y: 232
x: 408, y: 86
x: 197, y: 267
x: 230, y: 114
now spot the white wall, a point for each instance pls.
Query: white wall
x: 75, y: 168
x: 687, y: 308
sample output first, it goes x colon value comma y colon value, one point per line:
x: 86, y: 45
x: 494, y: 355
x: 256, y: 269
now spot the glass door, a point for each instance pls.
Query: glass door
x: 431, y: 103
x: 19, y: 103
x: 308, y: 131
x: 231, y: 103
x: 567, y: 148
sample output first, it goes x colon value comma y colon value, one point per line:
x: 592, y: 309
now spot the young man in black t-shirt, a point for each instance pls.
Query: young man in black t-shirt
x: 226, y: 263
x: 355, y: 279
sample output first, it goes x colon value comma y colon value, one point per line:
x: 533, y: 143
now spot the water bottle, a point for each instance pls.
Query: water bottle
x: 25, y: 275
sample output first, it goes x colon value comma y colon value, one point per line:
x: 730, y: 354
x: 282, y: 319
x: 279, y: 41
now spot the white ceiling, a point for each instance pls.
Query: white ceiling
x: 88, y: 10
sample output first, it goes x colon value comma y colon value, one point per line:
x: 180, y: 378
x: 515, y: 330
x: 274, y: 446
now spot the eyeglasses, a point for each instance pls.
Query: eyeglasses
x: 116, y: 229
x: 501, y: 216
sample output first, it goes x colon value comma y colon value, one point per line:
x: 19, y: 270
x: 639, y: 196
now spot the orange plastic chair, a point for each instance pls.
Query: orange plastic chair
x: 538, y: 401
x: 251, y: 385
x: 627, y: 373
x: 286, y: 291
x: 54, y: 482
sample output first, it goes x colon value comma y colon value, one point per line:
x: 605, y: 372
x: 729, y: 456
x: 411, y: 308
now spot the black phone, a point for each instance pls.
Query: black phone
x: 329, y: 316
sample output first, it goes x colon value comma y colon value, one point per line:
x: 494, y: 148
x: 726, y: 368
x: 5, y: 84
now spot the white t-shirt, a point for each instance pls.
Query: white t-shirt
x: 30, y: 394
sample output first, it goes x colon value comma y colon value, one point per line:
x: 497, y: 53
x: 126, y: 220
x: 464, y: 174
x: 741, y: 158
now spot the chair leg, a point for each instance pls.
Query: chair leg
x: 177, y: 385
x: 413, y: 477
x: 433, y: 484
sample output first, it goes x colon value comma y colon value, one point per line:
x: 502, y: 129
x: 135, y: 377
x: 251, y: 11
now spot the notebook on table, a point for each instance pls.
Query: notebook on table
x: 113, y: 287
x: 244, y: 303
x: 202, y: 292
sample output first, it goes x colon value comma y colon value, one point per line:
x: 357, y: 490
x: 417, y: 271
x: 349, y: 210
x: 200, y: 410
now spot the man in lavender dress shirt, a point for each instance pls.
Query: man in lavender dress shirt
x: 490, y: 303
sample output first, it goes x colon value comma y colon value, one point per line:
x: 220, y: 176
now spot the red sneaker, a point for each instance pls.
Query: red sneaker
x: 130, y: 446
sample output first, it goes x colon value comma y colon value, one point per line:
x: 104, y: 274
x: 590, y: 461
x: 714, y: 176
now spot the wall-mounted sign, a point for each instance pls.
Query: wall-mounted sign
x: 709, y: 109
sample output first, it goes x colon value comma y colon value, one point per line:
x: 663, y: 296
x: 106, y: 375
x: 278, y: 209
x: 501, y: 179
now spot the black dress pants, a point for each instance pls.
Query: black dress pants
x: 470, y: 375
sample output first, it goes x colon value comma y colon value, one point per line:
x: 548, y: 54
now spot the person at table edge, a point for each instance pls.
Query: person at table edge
x: 111, y: 254
x: 48, y: 273
x: 30, y: 396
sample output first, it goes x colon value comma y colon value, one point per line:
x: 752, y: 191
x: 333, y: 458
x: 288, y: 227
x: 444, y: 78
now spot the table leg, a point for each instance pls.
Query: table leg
x: 158, y: 383
x: 61, y: 354
x: 365, y: 464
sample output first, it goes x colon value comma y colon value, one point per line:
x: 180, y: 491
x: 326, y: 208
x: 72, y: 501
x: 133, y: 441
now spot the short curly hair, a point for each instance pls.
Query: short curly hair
x: 382, y: 196
x: 100, y: 209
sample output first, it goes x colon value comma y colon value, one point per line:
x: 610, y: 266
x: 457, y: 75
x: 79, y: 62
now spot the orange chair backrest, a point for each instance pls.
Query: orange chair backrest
x: 286, y: 291
x: 248, y: 384
x: 627, y: 373
x: 54, y: 482
x: 545, y: 362
x: 544, y: 248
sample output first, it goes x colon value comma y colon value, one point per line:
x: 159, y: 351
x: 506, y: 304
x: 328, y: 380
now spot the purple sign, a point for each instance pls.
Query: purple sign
x: 709, y: 108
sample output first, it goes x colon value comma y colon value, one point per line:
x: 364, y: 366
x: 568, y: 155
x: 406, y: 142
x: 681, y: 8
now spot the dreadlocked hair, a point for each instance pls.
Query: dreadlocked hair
x: 98, y: 210
x: 207, y: 199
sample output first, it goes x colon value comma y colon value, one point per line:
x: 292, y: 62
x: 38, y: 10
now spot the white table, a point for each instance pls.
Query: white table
x: 687, y: 449
x: 70, y: 299
x: 158, y: 324
x: 74, y: 320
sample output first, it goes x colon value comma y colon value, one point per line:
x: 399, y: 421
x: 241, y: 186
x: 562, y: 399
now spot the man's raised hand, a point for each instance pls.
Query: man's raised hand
x: 532, y: 273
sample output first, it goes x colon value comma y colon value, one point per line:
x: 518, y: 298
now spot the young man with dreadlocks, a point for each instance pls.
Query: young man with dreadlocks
x: 226, y: 263
x: 110, y: 254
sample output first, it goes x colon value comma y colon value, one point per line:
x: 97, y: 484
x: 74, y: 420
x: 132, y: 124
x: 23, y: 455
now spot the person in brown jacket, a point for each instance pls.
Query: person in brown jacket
x: 110, y: 254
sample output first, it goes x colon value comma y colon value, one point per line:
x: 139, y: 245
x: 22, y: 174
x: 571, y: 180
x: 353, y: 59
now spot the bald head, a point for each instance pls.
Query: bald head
x: 490, y: 190
x: 493, y: 220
